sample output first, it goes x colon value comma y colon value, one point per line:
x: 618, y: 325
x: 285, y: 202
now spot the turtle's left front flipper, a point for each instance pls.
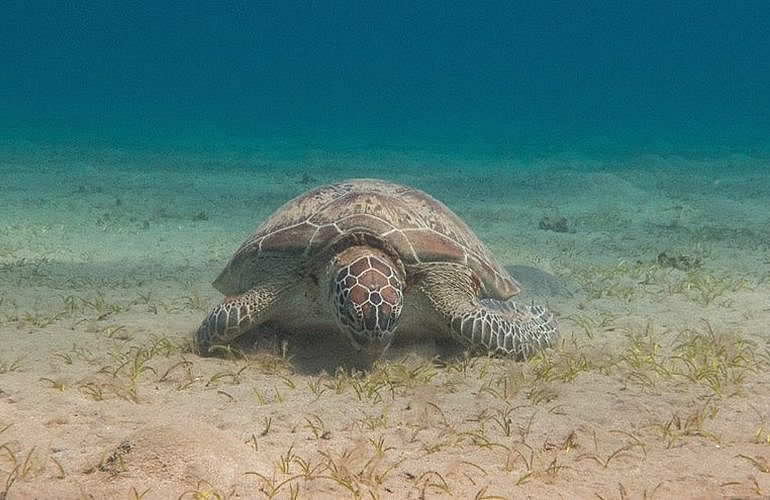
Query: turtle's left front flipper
x: 499, y: 327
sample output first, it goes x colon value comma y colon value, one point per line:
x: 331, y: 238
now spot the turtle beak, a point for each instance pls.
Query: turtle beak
x: 373, y: 347
x: 375, y: 350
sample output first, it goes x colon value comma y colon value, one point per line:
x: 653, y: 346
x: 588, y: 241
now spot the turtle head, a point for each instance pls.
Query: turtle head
x: 367, y: 291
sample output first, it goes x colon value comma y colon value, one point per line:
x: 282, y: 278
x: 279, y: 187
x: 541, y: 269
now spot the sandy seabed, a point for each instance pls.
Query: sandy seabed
x: 659, y: 387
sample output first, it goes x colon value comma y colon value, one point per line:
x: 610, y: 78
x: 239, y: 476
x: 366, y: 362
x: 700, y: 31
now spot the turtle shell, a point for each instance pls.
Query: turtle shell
x: 408, y: 221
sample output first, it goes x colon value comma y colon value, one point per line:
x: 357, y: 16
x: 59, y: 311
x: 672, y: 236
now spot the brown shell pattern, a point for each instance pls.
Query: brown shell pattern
x: 419, y: 227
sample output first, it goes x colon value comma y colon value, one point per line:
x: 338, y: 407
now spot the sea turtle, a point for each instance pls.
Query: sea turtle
x: 369, y: 257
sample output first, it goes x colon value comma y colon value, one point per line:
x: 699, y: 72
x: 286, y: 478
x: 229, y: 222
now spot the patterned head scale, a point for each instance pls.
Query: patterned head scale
x: 368, y: 298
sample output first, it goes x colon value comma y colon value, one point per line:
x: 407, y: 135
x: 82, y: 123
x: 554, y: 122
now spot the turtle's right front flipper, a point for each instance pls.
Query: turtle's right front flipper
x: 234, y: 317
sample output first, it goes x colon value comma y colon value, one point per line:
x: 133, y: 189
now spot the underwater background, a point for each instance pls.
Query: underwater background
x: 612, y: 156
x: 522, y: 77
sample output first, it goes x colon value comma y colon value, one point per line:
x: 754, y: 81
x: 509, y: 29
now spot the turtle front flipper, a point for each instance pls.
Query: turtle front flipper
x: 234, y: 317
x: 523, y: 331
x: 499, y: 327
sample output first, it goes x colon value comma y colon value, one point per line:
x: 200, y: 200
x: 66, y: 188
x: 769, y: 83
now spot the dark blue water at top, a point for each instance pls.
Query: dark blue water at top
x: 539, y: 77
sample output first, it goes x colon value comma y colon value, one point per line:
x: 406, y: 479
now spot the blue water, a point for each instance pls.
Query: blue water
x: 520, y: 77
x: 613, y: 155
